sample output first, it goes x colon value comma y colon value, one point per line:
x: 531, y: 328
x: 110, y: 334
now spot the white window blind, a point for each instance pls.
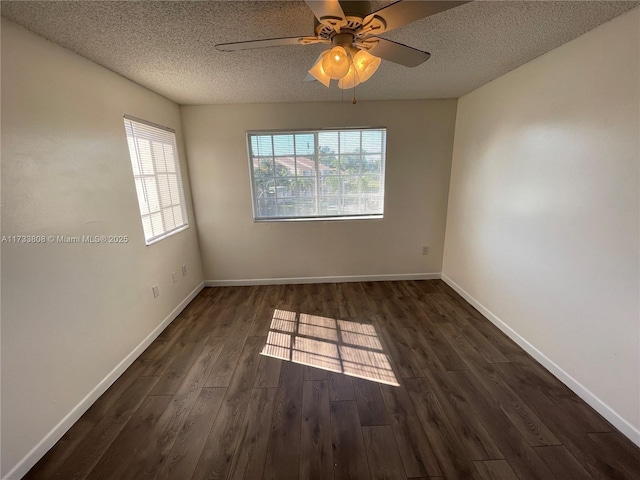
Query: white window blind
x: 317, y: 174
x: 156, y: 171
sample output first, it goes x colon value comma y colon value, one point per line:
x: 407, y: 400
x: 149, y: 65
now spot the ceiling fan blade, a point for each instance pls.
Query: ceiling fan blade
x: 402, y: 12
x: 328, y: 12
x: 269, y: 42
x: 309, y: 78
x: 398, y: 52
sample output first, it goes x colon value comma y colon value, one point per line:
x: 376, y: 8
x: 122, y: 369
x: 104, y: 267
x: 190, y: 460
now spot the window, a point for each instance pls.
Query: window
x: 156, y: 170
x: 317, y: 174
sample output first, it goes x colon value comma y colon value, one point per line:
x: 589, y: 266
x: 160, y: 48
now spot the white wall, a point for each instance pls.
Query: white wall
x: 543, y: 217
x: 72, y: 313
x: 233, y: 247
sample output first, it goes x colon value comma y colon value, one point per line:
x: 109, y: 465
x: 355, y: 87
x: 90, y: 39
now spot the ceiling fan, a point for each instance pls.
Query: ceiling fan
x: 356, y: 49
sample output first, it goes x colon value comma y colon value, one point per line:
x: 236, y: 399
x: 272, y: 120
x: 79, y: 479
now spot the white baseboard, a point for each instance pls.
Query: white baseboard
x: 583, y: 392
x: 343, y: 279
x: 49, y: 440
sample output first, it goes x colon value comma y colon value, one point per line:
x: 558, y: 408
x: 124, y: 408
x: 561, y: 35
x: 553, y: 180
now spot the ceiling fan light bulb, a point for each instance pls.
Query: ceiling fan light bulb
x: 350, y: 80
x: 336, y: 63
x: 366, y: 64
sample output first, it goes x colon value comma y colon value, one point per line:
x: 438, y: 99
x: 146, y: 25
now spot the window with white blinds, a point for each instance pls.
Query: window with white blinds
x: 319, y: 174
x: 156, y: 171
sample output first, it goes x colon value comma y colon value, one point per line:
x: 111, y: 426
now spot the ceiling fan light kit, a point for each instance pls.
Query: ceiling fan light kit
x: 356, y: 51
x: 349, y: 65
x: 365, y: 64
x: 336, y: 62
x: 318, y: 72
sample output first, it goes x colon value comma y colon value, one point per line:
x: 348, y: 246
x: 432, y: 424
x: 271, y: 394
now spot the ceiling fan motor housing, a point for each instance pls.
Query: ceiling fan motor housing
x: 342, y: 39
x: 353, y: 22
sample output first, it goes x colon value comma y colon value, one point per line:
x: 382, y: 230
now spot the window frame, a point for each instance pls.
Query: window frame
x: 316, y: 158
x: 128, y: 120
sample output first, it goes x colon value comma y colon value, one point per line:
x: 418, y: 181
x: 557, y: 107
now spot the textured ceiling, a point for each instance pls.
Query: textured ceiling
x: 169, y: 46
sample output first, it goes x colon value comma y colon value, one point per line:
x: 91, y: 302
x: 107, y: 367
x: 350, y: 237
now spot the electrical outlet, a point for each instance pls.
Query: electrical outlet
x: 174, y: 277
x: 184, y: 270
x: 156, y: 291
x: 425, y: 250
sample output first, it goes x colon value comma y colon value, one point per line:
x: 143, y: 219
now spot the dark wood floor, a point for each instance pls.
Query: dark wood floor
x: 201, y: 402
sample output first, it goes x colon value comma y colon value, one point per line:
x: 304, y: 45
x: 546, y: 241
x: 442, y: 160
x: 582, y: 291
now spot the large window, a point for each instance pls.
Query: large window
x: 317, y: 174
x: 156, y: 170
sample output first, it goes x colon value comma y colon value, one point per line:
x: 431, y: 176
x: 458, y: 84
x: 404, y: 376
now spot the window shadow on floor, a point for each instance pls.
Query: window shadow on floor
x: 341, y: 346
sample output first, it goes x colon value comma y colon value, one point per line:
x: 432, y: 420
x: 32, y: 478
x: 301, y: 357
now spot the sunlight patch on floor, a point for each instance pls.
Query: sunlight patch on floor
x: 340, y: 346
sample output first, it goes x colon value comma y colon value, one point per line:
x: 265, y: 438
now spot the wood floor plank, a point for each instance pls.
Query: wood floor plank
x: 65, y: 447
x: 468, y: 327
x: 447, y: 447
x: 312, y: 373
x: 95, y: 444
x: 190, y: 441
x: 346, y: 308
x: 340, y: 387
x: 283, y: 457
x: 251, y: 454
x: 155, y: 358
x: 397, y: 349
x: 600, y: 464
x: 63, y: 450
x: 521, y: 415
x: 253, y: 300
x: 617, y: 451
x: 316, y: 458
x: 226, y: 362
x: 261, y: 322
x: 432, y: 311
x: 307, y: 296
x: 180, y: 338
x: 392, y: 310
x: 371, y: 408
x: 527, y: 369
x: 117, y: 457
x: 417, y: 288
x: 349, y: 454
x: 545, y: 399
x: 328, y: 296
x: 221, y: 444
x: 382, y: 453
x: 413, y: 313
x: 492, y: 333
x: 268, y: 373
x: 477, y: 441
x: 570, y: 423
x: 231, y: 321
x: 519, y: 454
x: 232, y: 296
x: 560, y: 461
x: 495, y: 470
x: 414, y: 447
x: 149, y: 460
x: 173, y: 376
x: 354, y: 292
x: 273, y: 298
x: 447, y: 355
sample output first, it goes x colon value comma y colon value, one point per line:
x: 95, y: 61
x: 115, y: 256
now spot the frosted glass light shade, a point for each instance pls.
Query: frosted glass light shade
x: 365, y: 64
x: 350, y: 80
x: 318, y: 72
x: 336, y: 63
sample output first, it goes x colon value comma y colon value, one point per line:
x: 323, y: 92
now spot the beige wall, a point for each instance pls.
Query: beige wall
x: 72, y: 313
x: 233, y: 247
x: 543, y: 216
